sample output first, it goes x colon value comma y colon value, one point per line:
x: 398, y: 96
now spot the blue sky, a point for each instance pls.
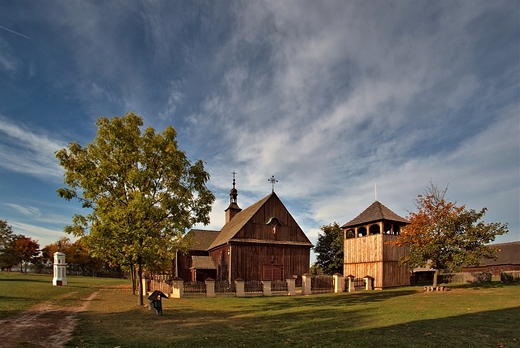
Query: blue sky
x: 331, y: 97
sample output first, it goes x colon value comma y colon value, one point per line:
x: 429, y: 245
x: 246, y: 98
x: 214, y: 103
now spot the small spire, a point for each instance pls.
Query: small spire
x: 273, y: 181
x: 233, y: 208
x: 233, y: 193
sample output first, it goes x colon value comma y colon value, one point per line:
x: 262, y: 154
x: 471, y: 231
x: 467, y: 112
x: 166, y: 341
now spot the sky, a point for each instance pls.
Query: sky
x: 344, y: 102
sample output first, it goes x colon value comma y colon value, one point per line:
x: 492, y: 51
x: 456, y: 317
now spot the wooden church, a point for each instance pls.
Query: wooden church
x: 261, y: 242
x: 367, y: 248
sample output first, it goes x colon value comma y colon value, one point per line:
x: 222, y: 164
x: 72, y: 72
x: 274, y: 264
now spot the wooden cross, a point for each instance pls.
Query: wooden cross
x: 272, y: 181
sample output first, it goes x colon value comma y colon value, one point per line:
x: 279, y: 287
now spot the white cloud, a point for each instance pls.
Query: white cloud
x: 24, y: 151
x: 25, y: 210
x: 44, y: 235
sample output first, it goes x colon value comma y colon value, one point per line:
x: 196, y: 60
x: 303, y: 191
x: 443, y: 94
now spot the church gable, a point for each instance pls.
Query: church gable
x: 266, y: 221
x: 272, y: 223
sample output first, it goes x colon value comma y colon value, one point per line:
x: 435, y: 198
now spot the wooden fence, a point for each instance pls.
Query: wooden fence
x: 322, y: 284
x: 279, y: 285
x: 224, y: 287
x: 465, y: 277
x: 253, y: 286
x: 194, y: 288
x: 162, y: 283
x: 310, y: 285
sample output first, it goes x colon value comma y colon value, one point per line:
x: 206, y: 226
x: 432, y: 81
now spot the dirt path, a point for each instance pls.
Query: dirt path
x: 44, y: 325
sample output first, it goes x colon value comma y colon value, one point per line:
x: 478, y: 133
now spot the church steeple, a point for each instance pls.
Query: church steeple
x: 233, y: 208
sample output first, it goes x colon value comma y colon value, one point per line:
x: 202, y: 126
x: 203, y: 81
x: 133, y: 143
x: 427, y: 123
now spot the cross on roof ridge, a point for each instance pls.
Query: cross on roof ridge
x: 273, y: 181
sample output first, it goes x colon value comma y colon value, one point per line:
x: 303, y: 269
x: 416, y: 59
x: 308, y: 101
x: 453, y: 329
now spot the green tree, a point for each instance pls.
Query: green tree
x: 446, y: 236
x: 7, y: 236
x: 329, y: 249
x: 142, y: 191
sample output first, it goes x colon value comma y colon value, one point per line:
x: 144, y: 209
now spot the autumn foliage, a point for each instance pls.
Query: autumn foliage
x: 444, y: 235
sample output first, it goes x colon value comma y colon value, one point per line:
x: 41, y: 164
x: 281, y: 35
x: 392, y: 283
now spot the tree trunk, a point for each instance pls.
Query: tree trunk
x: 140, y: 274
x: 132, y: 276
x: 435, y: 277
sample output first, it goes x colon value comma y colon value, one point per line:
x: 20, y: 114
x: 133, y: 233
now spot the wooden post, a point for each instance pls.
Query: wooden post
x: 306, y: 284
x: 177, y: 288
x: 267, y: 287
x: 339, y: 283
x: 210, y: 287
x: 239, y: 286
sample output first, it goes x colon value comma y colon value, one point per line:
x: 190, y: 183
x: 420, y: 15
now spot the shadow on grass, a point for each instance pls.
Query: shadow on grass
x: 297, y: 325
x: 478, y: 286
x: 497, y: 328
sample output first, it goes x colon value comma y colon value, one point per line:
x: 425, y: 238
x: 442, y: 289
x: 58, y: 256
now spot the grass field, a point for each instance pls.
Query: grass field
x: 466, y: 316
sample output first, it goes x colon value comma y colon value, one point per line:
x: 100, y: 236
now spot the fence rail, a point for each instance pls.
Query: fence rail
x: 359, y: 283
x: 311, y: 285
x: 465, y: 277
x: 161, y: 283
x: 279, y: 285
x: 253, y: 286
x: 223, y: 287
x: 322, y: 284
x: 194, y: 288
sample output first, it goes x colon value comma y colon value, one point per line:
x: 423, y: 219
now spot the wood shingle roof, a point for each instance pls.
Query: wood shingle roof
x: 203, y: 262
x: 239, y: 220
x: 202, y: 239
x: 507, y: 254
x: 375, y: 212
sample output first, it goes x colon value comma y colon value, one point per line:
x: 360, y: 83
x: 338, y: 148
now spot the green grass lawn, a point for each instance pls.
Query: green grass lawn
x: 466, y: 316
x: 20, y: 291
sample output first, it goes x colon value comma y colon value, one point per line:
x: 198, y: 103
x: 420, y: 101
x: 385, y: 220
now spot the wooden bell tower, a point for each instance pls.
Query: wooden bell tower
x: 367, y: 248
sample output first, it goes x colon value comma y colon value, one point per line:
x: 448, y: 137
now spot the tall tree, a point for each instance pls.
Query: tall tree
x: 446, y: 236
x: 329, y: 249
x: 143, y: 192
x: 7, y: 236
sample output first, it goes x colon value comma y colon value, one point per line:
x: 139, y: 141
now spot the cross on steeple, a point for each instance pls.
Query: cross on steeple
x: 273, y: 181
x: 234, y: 173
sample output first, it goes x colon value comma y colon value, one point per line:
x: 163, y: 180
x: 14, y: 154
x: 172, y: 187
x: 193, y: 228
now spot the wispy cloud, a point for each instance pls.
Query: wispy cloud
x: 25, y: 151
x: 44, y: 235
x: 25, y: 210
x: 330, y: 97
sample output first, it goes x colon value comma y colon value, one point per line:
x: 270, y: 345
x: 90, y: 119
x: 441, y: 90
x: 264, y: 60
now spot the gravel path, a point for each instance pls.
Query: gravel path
x: 44, y: 325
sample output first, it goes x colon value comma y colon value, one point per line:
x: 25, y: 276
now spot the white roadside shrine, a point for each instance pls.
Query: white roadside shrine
x: 59, y: 269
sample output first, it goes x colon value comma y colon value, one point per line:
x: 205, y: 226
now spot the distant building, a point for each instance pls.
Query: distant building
x: 367, y: 251
x: 508, y: 259
x: 261, y: 242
